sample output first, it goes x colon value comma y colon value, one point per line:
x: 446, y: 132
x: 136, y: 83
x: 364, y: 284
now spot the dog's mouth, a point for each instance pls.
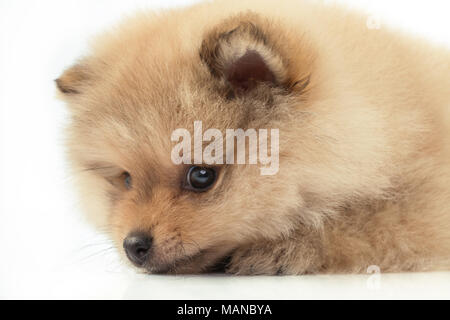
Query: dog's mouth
x: 204, y: 261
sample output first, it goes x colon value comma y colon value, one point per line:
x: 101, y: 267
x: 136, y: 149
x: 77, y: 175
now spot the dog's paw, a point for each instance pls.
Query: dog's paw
x: 288, y: 257
x: 255, y: 260
x: 265, y: 259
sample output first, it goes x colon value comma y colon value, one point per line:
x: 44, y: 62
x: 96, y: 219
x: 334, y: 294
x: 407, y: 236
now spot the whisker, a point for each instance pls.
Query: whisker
x: 100, y: 253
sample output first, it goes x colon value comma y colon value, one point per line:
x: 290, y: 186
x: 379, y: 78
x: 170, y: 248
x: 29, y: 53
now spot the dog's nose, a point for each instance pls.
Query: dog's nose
x: 137, y: 247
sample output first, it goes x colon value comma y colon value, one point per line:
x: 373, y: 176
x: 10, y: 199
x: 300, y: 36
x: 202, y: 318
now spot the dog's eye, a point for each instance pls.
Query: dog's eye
x: 200, y: 179
x: 127, y: 180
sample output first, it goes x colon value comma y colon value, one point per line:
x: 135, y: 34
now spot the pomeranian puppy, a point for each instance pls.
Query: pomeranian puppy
x: 363, y: 116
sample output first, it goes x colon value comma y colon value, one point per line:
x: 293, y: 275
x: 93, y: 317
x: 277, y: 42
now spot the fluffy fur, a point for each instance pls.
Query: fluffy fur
x: 364, y: 118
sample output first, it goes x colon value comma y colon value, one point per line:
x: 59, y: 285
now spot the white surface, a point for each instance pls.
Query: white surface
x: 46, y: 250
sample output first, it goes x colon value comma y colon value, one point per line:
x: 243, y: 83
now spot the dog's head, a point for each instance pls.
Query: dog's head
x: 142, y: 84
x: 148, y: 79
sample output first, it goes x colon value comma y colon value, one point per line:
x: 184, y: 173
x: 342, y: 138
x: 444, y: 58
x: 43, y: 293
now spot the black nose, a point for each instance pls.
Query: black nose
x: 137, y: 247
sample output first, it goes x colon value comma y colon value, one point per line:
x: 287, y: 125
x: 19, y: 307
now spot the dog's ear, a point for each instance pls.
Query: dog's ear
x: 73, y: 80
x: 246, y: 51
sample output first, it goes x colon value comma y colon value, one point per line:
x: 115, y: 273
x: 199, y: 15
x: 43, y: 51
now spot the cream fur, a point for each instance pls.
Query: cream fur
x: 364, y: 118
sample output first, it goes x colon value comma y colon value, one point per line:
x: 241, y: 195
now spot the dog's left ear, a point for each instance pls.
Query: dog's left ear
x: 246, y: 51
x: 73, y: 80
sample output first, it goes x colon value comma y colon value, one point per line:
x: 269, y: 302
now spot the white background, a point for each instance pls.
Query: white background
x: 46, y: 249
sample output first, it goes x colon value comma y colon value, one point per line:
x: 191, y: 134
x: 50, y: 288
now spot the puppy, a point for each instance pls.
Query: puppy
x: 364, y: 141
